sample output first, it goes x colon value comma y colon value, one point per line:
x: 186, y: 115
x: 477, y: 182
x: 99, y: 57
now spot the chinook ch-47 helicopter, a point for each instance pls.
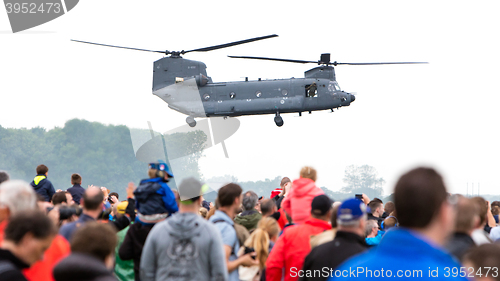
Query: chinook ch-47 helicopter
x: 185, y: 86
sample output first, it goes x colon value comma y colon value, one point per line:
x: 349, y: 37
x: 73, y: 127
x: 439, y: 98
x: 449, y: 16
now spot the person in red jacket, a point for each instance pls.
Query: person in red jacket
x: 297, y: 202
x: 293, y: 245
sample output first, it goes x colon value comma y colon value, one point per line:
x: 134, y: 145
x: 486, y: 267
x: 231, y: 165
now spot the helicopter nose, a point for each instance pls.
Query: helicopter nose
x: 353, y: 98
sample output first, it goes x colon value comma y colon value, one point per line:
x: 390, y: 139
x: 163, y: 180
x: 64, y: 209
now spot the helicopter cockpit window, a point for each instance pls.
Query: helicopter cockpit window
x: 258, y: 94
x: 334, y: 86
x: 311, y: 90
x: 206, y: 96
x: 232, y: 95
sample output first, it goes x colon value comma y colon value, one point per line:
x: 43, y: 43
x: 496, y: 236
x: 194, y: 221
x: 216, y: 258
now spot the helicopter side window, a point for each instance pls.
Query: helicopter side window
x: 311, y: 90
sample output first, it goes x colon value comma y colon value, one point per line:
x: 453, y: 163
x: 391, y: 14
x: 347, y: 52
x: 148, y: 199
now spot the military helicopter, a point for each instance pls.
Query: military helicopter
x: 185, y: 86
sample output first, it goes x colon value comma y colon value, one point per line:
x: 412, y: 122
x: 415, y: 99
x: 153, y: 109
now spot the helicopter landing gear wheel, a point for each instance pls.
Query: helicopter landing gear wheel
x: 191, y: 122
x: 278, y: 120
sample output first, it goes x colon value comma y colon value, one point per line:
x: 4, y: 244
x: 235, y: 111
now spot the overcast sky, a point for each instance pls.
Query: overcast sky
x: 443, y: 114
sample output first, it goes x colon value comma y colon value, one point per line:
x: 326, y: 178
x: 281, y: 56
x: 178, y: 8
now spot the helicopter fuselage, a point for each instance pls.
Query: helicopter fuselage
x: 189, y: 91
x: 262, y: 97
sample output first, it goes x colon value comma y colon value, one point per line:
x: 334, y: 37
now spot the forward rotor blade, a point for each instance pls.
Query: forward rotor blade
x: 161, y: 52
x: 206, y: 49
x: 373, y: 63
x: 273, y: 59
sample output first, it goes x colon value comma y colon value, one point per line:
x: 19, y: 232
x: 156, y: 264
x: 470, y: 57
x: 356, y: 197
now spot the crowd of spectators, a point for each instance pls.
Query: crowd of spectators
x: 295, y: 233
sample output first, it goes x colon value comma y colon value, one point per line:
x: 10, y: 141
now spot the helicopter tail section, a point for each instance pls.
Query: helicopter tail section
x: 171, y: 70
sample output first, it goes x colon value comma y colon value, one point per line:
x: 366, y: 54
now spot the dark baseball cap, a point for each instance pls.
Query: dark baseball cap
x: 320, y: 205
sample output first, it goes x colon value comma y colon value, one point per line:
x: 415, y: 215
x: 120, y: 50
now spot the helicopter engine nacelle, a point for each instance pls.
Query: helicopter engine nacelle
x: 201, y: 80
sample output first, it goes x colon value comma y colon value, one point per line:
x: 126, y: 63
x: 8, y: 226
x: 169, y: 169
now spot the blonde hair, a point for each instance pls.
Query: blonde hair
x: 153, y: 173
x: 203, y: 212
x: 259, y: 239
x: 308, y: 173
x: 210, y: 213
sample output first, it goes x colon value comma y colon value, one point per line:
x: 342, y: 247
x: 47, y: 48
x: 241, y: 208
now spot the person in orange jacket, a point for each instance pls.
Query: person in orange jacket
x: 293, y: 245
x: 297, y: 202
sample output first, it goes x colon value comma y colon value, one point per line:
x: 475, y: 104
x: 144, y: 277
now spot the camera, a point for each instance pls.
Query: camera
x: 66, y: 212
x: 249, y: 250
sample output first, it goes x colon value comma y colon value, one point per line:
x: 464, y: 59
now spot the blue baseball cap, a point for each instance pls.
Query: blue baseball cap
x: 351, y: 210
x: 161, y: 166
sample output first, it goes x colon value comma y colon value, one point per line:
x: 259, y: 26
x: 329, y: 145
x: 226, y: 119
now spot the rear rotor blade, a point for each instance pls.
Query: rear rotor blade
x: 273, y: 59
x: 206, y: 49
x: 161, y: 52
x: 373, y: 63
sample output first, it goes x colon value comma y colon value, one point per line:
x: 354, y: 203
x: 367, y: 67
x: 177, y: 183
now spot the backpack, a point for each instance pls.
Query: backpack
x: 232, y: 248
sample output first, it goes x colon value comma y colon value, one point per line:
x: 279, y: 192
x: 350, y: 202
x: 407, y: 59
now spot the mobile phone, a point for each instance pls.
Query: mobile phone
x: 359, y: 196
x: 249, y: 250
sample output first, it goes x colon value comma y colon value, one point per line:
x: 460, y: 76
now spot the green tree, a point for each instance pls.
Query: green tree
x: 362, y: 179
x: 335, y: 195
x: 102, y: 154
x: 185, y: 149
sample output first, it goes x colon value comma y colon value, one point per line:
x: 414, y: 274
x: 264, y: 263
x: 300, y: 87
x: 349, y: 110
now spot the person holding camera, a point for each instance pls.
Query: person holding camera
x: 260, y: 242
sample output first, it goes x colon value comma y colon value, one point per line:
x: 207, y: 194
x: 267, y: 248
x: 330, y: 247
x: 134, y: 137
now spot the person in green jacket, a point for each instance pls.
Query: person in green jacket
x: 250, y: 217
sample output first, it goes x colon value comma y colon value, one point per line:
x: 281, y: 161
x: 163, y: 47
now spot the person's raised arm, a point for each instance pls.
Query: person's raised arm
x: 490, y: 219
x: 366, y: 199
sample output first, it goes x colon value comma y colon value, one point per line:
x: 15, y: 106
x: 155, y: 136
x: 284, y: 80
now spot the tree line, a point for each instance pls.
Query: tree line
x: 104, y: 155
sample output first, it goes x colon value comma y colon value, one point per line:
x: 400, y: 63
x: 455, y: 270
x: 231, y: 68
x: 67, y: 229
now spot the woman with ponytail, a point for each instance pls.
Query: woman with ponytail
x: 261, y: 241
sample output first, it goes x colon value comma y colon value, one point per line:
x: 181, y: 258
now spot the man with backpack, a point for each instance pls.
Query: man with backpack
x: 229, y: 198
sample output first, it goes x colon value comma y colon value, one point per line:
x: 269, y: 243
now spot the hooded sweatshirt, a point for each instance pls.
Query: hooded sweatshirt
x: 298, y: 201
x: 43, y: 187
x: 184, y: 247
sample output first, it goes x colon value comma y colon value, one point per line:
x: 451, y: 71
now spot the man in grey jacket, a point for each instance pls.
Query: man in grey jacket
x: 184, y: 246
